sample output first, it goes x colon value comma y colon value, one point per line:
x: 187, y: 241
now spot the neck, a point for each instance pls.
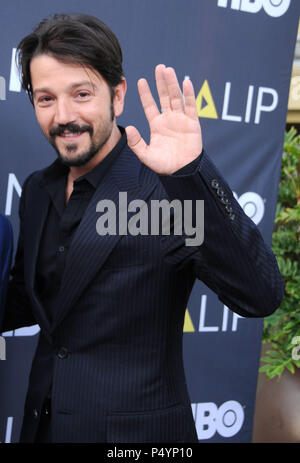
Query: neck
x: 76, y: 172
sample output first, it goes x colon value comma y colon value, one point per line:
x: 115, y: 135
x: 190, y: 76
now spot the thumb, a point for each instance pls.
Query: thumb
x: 136, y: 142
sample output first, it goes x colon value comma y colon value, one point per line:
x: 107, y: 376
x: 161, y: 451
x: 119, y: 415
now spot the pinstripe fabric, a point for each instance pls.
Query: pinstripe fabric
x: 120, y: 376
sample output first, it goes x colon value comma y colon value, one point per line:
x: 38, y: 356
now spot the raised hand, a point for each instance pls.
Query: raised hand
x: 175, y: 133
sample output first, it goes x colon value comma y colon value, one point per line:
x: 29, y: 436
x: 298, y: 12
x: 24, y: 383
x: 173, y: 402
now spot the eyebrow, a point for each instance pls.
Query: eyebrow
x: 70, y: 88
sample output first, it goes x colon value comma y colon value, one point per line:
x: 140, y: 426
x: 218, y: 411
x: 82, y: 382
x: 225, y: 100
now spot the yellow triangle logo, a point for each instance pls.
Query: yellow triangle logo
x: 205, y: 103
x: 188, y: 324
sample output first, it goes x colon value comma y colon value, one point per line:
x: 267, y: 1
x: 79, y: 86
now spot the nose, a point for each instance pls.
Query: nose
x: 63, y: 112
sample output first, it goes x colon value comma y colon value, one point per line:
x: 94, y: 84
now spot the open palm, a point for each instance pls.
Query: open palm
x: 175, y: 133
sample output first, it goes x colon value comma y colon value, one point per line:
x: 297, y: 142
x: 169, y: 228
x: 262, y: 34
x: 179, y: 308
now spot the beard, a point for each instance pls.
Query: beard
x: 98, y: 140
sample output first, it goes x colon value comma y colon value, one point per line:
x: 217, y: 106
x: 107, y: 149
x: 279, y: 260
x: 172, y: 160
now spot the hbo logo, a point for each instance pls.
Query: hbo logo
x: 252, y: 204
x: 227, y: 420
x: 274, y: 8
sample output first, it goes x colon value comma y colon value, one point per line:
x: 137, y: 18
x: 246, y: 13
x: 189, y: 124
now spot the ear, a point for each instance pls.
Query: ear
x: 119, y: 97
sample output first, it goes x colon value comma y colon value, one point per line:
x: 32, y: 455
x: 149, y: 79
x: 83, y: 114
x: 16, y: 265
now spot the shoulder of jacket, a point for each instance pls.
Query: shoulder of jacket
x: 36, y: 177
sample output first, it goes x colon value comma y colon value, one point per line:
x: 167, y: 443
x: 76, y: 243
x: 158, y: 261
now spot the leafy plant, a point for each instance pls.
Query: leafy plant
x: 282, y: 329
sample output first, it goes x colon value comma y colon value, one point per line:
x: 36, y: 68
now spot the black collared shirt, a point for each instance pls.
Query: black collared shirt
x: 63, y: 220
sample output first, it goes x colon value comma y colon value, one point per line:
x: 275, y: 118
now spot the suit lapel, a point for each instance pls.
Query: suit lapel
x: 39, y: 206
x: 89, y: 250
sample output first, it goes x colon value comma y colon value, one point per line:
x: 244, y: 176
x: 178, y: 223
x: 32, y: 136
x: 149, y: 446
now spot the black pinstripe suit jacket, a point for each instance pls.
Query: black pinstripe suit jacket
x: 114, y: 349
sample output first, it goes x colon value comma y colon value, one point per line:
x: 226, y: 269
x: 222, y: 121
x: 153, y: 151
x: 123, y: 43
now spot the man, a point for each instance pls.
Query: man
x: 6, y: 247
x: 108, y: 366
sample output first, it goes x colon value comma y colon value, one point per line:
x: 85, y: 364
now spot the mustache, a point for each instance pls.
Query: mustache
x: 70, y: 127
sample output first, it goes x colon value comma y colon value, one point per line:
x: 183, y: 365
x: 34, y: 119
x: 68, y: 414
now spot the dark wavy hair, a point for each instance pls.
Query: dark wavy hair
x: 80, y: 39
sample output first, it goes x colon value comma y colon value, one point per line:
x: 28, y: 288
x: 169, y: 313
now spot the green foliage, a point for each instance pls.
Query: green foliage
x: 282, y: 327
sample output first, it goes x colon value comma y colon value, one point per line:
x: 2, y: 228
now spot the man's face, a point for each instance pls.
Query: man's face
x: 74, y: 108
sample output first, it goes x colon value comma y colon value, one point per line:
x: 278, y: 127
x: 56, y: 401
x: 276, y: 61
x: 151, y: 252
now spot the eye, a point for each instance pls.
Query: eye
x: 83, y: 95
x: 44, y: 100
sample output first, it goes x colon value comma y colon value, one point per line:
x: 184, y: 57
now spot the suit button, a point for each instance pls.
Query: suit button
x: 232, y: 216
x: 62, y: 353
x: 225, y: 200
x: 215, y: 184
x: 35, y: 413
x: 229, y: 209
x: 220, y: 193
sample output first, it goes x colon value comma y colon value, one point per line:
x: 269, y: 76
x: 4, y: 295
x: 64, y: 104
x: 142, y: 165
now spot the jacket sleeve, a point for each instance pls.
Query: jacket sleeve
x: 233, y: 259
x: 18, y: 307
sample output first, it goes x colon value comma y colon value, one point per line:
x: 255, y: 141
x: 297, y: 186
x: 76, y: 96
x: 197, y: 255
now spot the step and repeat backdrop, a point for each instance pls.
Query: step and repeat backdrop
x: 239, y: 55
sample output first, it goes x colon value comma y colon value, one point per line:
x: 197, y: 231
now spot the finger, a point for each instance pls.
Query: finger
x: 147, y: 100
x: 189, y: 99
x: 162, y: 88
x: 174, y: 91
x: 136, y: 142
